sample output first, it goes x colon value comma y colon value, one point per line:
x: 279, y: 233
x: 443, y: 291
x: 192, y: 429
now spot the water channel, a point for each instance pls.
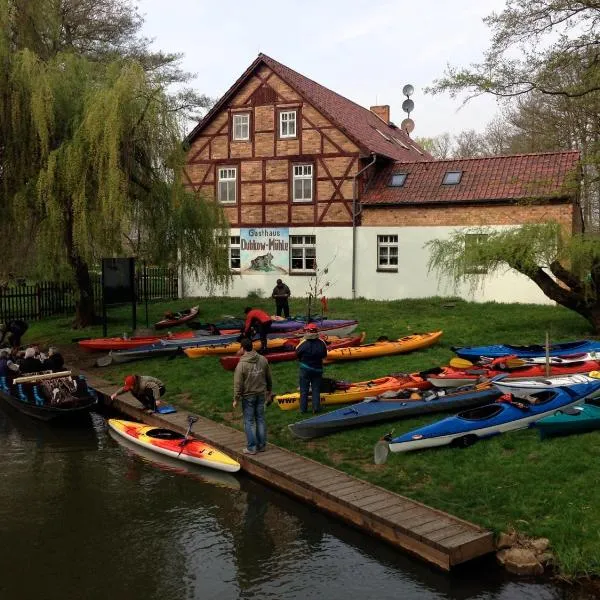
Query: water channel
x: 84, y: 517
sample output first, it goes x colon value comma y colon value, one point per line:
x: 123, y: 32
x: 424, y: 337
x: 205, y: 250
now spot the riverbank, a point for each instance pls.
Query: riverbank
x: 511, y: 482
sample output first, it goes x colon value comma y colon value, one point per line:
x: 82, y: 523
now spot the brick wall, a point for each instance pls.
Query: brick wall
x: 430, y: 216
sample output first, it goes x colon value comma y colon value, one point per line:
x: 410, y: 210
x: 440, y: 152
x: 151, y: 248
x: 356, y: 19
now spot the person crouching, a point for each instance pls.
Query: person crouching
x: 148, y: 390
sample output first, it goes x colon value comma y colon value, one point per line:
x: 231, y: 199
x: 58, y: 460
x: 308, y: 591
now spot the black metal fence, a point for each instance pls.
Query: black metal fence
x: 33, y: 301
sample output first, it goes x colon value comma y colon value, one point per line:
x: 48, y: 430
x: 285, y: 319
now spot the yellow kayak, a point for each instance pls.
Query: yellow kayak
x: 385, y: 347
x: 215, y: 349
x: 353, y: 392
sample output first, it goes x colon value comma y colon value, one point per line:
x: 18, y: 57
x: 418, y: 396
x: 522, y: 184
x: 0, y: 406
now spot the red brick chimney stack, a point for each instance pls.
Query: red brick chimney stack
x: 383, y: 112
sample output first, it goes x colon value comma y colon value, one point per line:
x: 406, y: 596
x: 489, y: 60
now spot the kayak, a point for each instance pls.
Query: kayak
x: 527, y: 386
x: 121, y: 343
x: 288, y: 352
x: 474, y: 353
x: 486, y: 421
x: 386, y: 347
x: 170, y: 443
x: 232, y: 348
x: 454, y: 377
x: 576, y: 419
x: 381, y: 409
x: 298, y: 323
x: 177, y: 319
x: 353, y: 392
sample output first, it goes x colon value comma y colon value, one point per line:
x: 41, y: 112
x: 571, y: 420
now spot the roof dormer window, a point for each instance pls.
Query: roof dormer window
x: 398, y: 179
x: 452, y: 177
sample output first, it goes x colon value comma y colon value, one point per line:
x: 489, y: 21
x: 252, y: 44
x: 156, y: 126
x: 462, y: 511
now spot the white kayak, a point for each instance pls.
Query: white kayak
x: 529, y: 386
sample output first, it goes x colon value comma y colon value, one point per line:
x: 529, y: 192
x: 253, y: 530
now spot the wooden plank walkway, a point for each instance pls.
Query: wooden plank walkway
x: 427, y: 533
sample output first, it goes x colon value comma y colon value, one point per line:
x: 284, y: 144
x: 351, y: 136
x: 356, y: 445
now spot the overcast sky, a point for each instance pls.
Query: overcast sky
x: 364, y: 50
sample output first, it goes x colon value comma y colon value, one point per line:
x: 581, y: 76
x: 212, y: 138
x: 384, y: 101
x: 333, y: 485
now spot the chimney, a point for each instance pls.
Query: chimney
x: 383, y: 112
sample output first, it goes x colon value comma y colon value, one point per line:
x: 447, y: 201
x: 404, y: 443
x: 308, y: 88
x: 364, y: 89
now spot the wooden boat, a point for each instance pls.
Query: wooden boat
x: 288, y: 352
x: 178, y: 318
x: 386, y: 347
x: 381, y: 408
x: 348, y: 392
x: 49, y: 396
x: 475, y: 353
x: 576, y: 419
x: 486, y: 421
x: 233, y: 347
x: 174, y: 444
x: 454, y: 377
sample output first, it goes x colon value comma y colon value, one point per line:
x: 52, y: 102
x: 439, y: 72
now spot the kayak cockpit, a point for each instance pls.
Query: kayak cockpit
x: 164, y: 434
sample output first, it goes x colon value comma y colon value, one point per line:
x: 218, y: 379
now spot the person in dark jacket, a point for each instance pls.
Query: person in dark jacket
x: 252, y: 384
x: 260, y: 321
x: 281, y: 293
x: 148, y: 390
x: 55, y: 362
x: 30, y: 363
x: 310, y: 352
x: 7, y: 367
x: 13, y: 330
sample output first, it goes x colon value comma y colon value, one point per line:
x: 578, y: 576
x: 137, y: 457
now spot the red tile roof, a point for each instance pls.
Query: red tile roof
x: 362, y: 126
x: 495, y: 178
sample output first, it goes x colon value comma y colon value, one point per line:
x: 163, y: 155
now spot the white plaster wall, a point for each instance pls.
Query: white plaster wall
x: 334, y: 248
x: 412, y: 279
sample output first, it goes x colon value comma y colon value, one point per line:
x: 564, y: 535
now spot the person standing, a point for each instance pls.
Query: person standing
x: 14, y: 330
x: 281, y: 294
x: 252, y: 384
x: 148, y: 390
x: 310, y: 352
x: 260, y: 321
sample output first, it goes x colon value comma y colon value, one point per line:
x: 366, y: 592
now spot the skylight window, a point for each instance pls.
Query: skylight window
x: 452, y: 177
x: 398, y: 179
x: 383, y: 135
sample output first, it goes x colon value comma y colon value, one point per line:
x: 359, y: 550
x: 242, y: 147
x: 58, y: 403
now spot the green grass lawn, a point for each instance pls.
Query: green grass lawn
x: 512, y: 481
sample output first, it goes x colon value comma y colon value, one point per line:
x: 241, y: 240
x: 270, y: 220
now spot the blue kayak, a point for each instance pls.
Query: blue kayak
x: 486, y: 421
x: 474, y: 353
x: 380, y: 409
x: 296, y: 324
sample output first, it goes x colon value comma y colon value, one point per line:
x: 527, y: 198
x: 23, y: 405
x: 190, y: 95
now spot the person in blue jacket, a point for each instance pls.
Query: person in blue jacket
x: 311, y: 351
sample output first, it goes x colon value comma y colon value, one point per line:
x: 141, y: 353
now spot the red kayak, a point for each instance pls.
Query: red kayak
x: 288, y: 352
x: 453, y: 377
x: 119, y: 343
x: 178, y: 318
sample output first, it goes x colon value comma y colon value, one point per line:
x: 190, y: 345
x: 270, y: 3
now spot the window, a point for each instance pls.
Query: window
x: 398, y: 179
x: 387, y: 253
x: 303, y: 183
x: 303, y: 253
x: 452, y: 177
x: 287, y: 124
x: 241, y: 127
x: 473, y: 242
x: 234, y: 247
x: 227, y: 185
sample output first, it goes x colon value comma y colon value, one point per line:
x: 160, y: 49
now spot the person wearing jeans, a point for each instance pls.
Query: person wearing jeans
x: 252, y: 384
x: 310, y: 352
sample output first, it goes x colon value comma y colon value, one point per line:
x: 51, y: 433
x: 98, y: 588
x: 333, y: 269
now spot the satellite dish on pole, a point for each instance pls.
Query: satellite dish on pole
x: 408, y: 90
x: 407, y: 125
x: 408, y: 106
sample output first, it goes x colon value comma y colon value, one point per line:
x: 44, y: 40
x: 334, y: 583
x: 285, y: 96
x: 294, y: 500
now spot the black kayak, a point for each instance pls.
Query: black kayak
x: 381, y: 409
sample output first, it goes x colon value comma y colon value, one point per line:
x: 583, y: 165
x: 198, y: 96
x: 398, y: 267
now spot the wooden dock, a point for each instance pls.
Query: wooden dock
x: 424, y: 532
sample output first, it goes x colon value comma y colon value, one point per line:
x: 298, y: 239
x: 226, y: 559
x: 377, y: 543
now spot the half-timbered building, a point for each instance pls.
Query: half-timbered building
x: 309, y: 178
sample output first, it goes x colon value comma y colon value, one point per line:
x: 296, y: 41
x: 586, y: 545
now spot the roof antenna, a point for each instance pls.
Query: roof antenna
x: 408, y: 125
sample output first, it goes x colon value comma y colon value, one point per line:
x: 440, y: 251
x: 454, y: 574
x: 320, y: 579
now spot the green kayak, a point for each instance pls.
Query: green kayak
x: 576, y: 419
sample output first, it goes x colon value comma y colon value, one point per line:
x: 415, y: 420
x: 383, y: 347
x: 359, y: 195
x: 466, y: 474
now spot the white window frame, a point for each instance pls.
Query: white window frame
x: 285, y: 119
x: 476, y: 239
x: 303, y: 246
x: 386, y: 243
x: 303, y: 173
x: 240, y: 117
x: 235, y: 253
x: 228, y: 175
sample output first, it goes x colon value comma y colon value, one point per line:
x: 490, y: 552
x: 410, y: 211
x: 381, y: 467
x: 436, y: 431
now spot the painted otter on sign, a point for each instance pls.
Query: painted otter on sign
x: 262, y: 263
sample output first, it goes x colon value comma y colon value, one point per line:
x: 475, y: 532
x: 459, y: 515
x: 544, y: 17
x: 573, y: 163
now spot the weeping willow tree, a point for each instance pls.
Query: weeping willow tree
x: 565, y: 267
x: 91, y: 165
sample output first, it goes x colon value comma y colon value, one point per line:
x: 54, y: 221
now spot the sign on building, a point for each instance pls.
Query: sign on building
x: 265, y: 250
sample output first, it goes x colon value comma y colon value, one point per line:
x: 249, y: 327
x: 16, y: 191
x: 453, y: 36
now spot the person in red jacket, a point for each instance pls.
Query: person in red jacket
x: 260, y: 321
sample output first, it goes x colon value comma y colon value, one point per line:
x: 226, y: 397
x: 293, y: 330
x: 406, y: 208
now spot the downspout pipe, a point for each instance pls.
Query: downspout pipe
x: 355, y: 214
